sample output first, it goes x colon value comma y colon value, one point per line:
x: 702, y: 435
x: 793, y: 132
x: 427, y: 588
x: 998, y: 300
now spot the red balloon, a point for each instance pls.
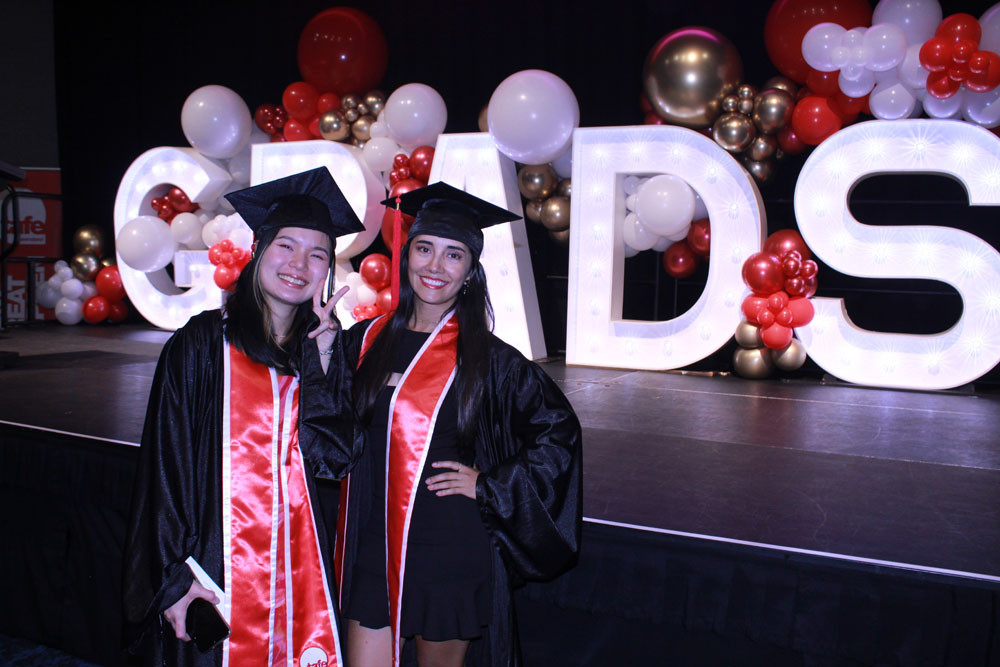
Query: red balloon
x: 399, y: 188
x: 365, y: 312
x: 765, y: 317
x: 109, y: 284
x: 650, y: 118
x: 383, y: 300
x: 295, y: 131
x: 420, y: 162
x: 795, y: 285
x: 802, y: 311
x: 327, y: 102
x: 823, y: 83
x: 984, y: 72
x: 776, y: 336
x: 762, y: 273
x: 699, y: 237
x: 784, y: 317
x: 752, y: 307
x: 777, y: 302
x: 935, y: 54
x: 179, y: 200
x: 376, y: 270
x: 644, y: 105
x: 342, y: 50
x: 813, y: 119
x: 791, y: 266
x: 789, y: 142
x: 788, y: 21
x: 313, y: 126
x: 848, y: 108
x: 808, y: 268
x: 809, y: 286
x: 785, y: 241
x: 215, y: 254
x: 401, y: 160
x: 679, y: 260
x: 278, y: 137
x: 299, y: 99
x: 96, y: 309
x: 118, y: 311
x: 960, y: 27
x: 225, y: 275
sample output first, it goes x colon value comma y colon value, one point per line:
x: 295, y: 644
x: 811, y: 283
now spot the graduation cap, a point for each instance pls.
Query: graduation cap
x: 443, y: 210
x: 309, y: 199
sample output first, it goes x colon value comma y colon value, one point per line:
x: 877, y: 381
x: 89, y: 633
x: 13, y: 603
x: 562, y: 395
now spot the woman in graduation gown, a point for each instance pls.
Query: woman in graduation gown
x: 247, y: 405
x: 470, y: 481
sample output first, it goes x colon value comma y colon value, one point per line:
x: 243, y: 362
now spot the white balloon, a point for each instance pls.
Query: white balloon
x: 700, y: 209
x: 989, y: 23
x: 665, y: 204
x: 631, y: 202
x: 69, y: 311
x: 239, y: 167
x: 946, y: 108
x: 840, y: 56
x: 982, y: 108
x: 63, y: 274
x: 89, y: 290
x: 185, y: 227
x: 47, y: 295
x: 891, y: 101
x: 911, y: 72
x: 886, y: 45
x: 71, y: 289
x: 241, y: 235
x: 215, y: 230
x: 630, y: 251
x: 145, y: 243
x: 563, y: 164
x: 532, y: 115
x: 60, y: 264
x: 856, y: 87
x: 216, y: 121
x: 636, y: 235
x: 680, y: 234
x: 662, y: 244
x: 630, y: 184
x: 379, y: 153
x: 364, y: 294
x: 415, y: 114
x: 918, y: 19
x: 818, y: 45
x: 378, y: 130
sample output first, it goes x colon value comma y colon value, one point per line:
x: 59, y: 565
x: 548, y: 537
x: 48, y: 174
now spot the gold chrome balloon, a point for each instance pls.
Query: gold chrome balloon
x: 772, y: 110
x: 753, y: 364
x: 362, y: 128
x: 561, y: 237
x: 781, y: 83
x: 748, y: 336
x: 89, y: 238
x: 555, y: 214
x: 745, y: 106
x: 533, y: 210
x: 565, y: 187
x: 351, y: 115
x: 791, y: 358
x: 333, y: 126
x: 537, y: 181
x: 85, y: 265
x: 762, y: 170
x: 363, y: 109
x: 687, y: 74
x: 730, y: 103
x: 107, y: 261
x: 481, y: 122
x: 734, y: 132
x: 349, y: 101
x: 746, y: 92
x: 762, y: 147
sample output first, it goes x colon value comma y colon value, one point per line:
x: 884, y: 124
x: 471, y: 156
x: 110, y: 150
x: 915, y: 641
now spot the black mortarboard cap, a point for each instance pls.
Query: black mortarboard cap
x: 443, y: 210
x: 309, y: 199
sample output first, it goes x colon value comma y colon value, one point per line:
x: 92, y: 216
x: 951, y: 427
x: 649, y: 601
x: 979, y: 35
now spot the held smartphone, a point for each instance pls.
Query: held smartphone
x: 205, y: 624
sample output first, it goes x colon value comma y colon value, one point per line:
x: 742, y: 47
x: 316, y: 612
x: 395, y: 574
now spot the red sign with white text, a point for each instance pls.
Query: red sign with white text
x: 40, y: 226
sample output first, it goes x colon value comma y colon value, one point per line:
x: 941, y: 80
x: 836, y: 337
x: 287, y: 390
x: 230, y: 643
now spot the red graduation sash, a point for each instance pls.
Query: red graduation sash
x: 412, y: 415
x: 278, y: 603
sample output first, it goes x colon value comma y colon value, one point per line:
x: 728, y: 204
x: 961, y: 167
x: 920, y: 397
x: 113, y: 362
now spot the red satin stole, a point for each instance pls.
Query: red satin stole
x: 280, y: 611
x: 412, y: 414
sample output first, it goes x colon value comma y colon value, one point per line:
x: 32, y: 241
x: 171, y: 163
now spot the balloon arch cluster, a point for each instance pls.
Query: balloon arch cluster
x: 837, y: 59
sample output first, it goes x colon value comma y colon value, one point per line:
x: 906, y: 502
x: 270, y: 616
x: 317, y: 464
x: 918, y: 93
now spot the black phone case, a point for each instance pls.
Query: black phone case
x: 205, y: 624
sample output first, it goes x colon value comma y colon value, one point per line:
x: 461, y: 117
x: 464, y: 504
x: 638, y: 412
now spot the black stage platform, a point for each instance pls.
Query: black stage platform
x: 804, y: 523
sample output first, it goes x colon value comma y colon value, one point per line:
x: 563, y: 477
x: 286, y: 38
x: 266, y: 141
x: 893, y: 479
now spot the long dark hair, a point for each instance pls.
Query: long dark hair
x: 248, y: 318
x: 475, y: 317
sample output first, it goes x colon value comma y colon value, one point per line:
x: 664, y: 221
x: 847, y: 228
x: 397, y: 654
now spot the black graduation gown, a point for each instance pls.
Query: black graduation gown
x: 530, y: 492
x: 177, y: 495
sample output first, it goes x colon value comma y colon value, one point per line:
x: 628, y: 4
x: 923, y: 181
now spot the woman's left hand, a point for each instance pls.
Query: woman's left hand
x: 326, y: 332
x: 461, y: 479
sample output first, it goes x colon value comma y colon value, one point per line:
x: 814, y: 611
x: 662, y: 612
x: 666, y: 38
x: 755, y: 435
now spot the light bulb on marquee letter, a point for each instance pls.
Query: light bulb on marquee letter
x: 968, y: 349
x: 596, y: 334
x: 154, y: 294
x: 472, y: 162
x: 360, y: 186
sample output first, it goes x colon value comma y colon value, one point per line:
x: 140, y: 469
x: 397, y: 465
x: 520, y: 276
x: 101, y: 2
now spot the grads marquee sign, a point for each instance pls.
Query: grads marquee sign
x: 602, y: 157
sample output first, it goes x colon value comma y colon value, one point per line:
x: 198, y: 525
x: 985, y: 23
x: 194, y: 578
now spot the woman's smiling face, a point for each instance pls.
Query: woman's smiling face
x: 293, y: 266
x: 437, y: 269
